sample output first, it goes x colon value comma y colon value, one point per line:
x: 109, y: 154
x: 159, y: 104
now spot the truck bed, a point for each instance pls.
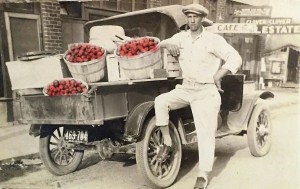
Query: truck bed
x: 110, y: 100
x: 104, y: 101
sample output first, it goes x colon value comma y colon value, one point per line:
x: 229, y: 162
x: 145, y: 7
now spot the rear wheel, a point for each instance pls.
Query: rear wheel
x: 157, y: 174
x: 57, y: 157
x: 259, y: 132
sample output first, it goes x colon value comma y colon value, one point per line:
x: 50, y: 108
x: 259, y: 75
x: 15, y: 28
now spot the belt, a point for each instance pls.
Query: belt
x: 194, y: 83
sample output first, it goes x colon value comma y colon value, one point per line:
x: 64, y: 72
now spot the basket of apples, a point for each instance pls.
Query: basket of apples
x: 85, y: 61
x: 65, y: 86
x: 139, y: 56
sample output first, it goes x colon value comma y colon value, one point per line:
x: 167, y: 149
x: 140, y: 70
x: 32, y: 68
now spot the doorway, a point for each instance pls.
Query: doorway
x: 292, y: 66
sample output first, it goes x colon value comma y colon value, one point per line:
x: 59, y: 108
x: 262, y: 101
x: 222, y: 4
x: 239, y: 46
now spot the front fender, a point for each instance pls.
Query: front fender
x: 142, y: 112
x: 238, y: 121
x: 136, y: 118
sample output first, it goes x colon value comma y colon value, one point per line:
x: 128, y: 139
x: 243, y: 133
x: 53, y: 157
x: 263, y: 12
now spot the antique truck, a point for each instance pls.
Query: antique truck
x: 118, y: 116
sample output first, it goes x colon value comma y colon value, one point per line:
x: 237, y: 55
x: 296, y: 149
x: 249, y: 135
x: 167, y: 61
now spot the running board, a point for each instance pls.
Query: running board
x: 192, y: 137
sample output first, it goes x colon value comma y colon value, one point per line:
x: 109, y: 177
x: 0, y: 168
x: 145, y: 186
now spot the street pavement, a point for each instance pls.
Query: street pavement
x: 16, y: 143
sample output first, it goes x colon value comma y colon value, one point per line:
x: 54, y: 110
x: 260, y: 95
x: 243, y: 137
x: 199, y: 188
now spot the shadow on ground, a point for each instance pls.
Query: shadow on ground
x: 17, y: 168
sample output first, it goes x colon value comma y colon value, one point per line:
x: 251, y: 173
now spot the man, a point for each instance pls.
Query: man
x: 199, y: 54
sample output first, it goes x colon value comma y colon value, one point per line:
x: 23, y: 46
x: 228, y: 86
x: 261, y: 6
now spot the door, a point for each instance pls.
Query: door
x: 23, y: 33
x: 72, y: 32
x: 292, y: 65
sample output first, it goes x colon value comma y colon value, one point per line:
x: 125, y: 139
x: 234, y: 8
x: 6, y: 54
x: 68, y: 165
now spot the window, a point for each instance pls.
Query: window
x: 125, y: 5
x: 1, y: 80
x: 140, y: 4
x: 276, y: 67
x: 111, y: 4
x: 23, y: 33
x: 20, y: 7
x: 283, y: 50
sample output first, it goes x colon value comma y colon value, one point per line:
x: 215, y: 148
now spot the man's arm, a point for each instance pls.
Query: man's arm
x: 233, y: 61
x: 172, y: 44
x: 218, y: 78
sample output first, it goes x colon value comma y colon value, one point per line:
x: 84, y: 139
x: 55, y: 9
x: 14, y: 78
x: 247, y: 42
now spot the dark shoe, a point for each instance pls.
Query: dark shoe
x: 163, y: 153
x: 201, y: 183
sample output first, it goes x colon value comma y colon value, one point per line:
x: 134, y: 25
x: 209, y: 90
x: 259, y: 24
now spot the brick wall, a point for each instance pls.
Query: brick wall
x: 51, y: 26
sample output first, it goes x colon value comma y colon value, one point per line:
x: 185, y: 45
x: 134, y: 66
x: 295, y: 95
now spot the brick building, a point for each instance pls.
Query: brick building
x: 51, y: 26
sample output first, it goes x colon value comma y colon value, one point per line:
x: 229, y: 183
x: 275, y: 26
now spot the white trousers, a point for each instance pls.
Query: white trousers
x: 205, y: 102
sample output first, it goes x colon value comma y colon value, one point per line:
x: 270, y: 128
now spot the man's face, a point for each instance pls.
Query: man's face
x: 194, y: 21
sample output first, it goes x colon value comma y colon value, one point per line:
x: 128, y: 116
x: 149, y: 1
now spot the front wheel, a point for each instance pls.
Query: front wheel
x: 158, y: 174
x: 55, y: 154
x: 259, y: 132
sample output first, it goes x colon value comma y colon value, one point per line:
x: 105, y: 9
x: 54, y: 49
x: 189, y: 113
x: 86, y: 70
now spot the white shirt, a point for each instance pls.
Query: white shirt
x: 200, y: 58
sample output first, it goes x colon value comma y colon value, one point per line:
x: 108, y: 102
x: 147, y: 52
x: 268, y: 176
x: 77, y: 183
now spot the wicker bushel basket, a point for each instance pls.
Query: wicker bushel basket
x: 141, y: 66
x: 90, y: 71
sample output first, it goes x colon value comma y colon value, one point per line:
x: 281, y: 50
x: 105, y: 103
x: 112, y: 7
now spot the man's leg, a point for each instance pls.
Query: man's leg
x: 205, y: 112
x: 172, y: 100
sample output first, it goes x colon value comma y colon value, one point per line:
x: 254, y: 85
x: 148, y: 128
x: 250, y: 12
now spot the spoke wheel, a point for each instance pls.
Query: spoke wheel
x: 158, y: 174
x: 57, y: 157
x: 260, y: 131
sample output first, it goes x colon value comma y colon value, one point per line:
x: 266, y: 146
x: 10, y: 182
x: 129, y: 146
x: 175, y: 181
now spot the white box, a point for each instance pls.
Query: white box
x: 114, y: 73
x: 35, y: 73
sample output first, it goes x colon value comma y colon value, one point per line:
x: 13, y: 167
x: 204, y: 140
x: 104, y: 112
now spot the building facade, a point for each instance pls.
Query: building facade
x: 51, y: 26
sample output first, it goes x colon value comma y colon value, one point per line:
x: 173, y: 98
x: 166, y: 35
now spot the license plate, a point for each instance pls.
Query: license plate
x: 77, y: 136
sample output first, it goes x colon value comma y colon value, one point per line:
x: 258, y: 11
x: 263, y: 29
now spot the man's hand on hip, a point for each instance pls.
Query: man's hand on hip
x: 218, y: 78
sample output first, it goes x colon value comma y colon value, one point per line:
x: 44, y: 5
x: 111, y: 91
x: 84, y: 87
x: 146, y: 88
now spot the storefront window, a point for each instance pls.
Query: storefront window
x: 19, y: 6
x: 1, y: 82
x: 140, y: 4
x: 174, y: 2
x: 126, y: 5
x: 111, y: 4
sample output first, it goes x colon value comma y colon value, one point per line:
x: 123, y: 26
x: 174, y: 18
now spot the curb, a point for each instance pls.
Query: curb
x: 283, y: 104
x: 18, y: 158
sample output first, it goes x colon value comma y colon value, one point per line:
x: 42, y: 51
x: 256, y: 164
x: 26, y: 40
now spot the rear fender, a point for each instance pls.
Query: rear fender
x: 39, y: 129
x: 35, y: 130
x: 238, y: 120
x: 142, y: 112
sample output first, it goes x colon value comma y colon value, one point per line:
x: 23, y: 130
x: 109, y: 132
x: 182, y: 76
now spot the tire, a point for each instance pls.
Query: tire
x: 259, y: 132
x: 146, y: 151
x: 56, y: 156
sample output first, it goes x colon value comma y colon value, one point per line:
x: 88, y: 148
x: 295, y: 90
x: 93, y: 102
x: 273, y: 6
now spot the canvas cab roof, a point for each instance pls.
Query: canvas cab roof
x: 161, y: 22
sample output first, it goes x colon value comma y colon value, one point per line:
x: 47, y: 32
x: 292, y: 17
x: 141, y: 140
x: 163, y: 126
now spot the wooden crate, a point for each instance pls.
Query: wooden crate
x: 114, y: 73
x: 171, y: 64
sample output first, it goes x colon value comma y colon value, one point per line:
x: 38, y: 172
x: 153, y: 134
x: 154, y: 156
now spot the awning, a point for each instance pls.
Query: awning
x: 276, y: 42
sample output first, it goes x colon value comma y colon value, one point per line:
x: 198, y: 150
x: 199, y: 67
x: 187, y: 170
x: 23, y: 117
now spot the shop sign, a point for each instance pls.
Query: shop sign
x: 280, y: 29
x: 253, y: 28
x: 232, y: 28
x: 264, y: 11
x: 269, y: 21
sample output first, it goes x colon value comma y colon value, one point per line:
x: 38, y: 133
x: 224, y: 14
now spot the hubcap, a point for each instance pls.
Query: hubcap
x: 158, y: 169
x: 262, y: 129
x: 58, y: 147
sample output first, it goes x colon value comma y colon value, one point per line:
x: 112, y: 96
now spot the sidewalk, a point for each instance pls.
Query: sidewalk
x: 16, y: 143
